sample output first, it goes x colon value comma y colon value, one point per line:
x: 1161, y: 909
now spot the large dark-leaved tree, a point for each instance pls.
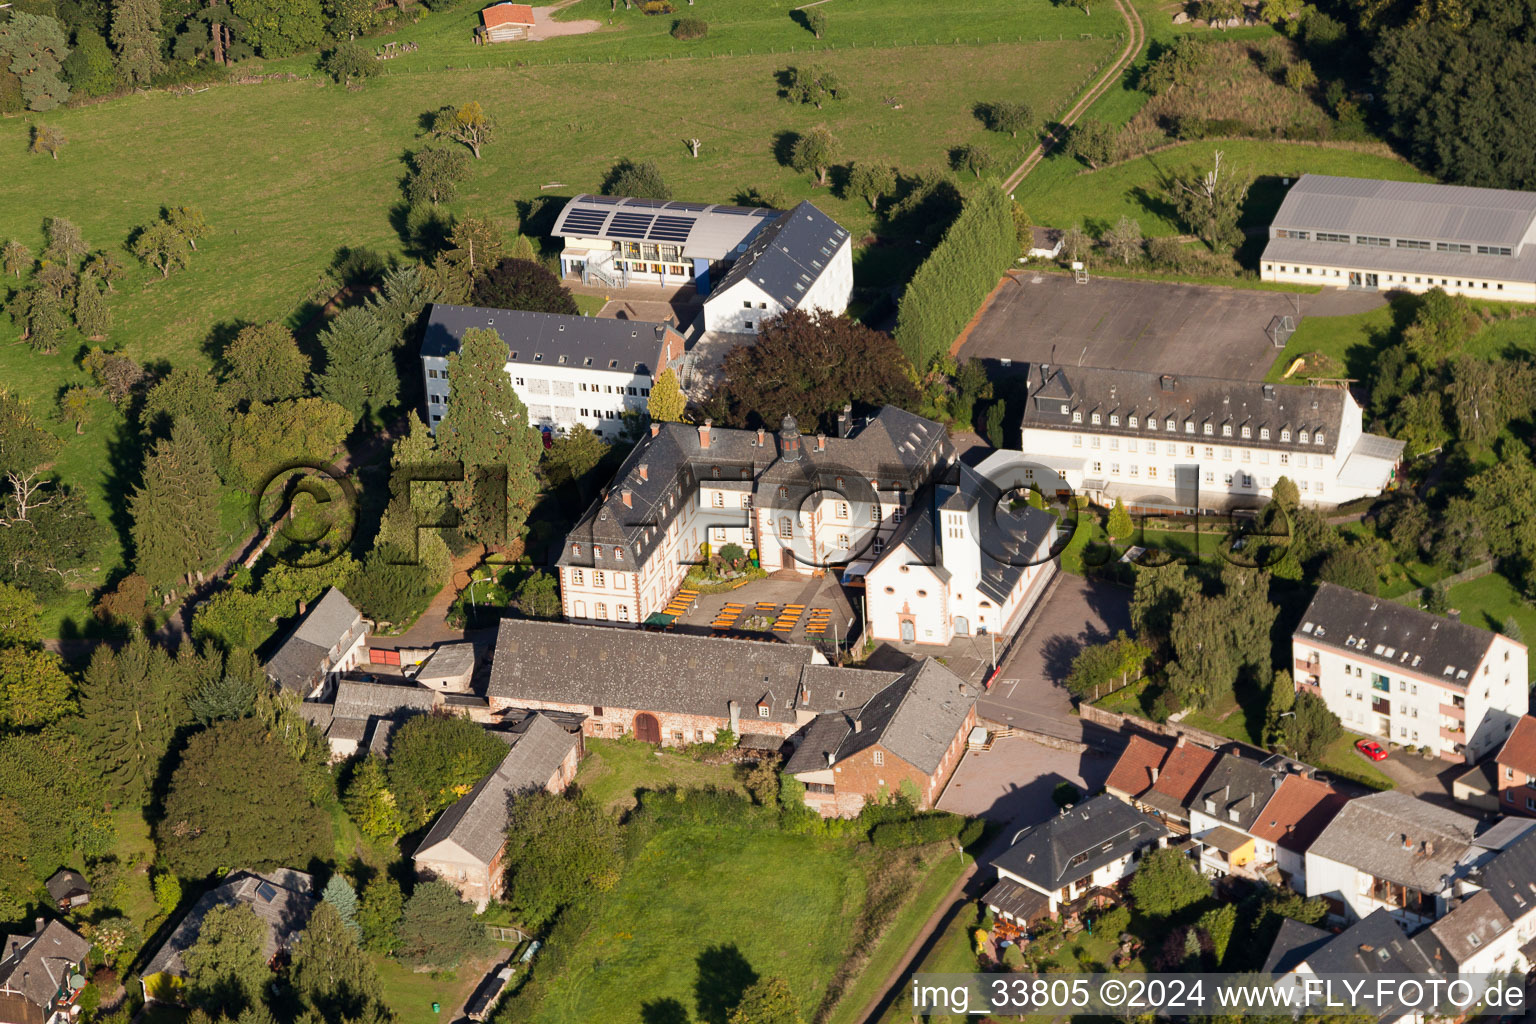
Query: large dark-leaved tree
x: 523, y: 284
x: 220, y: 813
x: 1167, y: 882
x: 562, y: 848
x: 227, y: 965
x: 434, y: 759
x: 810, y: 365
x: 438, y: 929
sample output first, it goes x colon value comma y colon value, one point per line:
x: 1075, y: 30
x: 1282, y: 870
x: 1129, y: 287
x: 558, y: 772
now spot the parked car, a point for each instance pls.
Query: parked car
x: 1371, y: 749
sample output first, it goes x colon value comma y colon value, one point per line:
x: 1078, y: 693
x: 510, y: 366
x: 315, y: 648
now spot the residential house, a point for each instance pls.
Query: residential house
x: 1173, y: 791
x: 1515, y: 774
x: 908, y: 737
x: 1137, y: 769
x: 1292, y: 819
x: 1374, y: 945
x: 504, y: 23
x: 1225, y: 808
x: 667, y: 688
x: 801, y: 260
x: 1408, y: 676
x: 1068, y: 860
x: 804, y: 503
x: 466, y: 846
x: 1367, y: 234
x: 965, y: 562
x: 450, y: 668
x: 567, y: 370
x: 1507, y: 942
x: 1168, y: 442
x: 364, y: 714
x: 68, y: 888
x: 42, y: 974
x: 1390, y: 851
x: 282, y: 899
x: 330, y: 638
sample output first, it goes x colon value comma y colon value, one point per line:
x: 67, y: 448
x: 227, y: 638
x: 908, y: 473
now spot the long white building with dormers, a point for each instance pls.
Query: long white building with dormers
x: 801, y: 502
x: 1410, y: 677
x: 1176, y: 443
x: 1406, y: 236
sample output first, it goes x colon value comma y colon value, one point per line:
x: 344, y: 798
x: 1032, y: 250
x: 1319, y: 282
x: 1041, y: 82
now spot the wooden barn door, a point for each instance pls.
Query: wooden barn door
x: 647, y: 729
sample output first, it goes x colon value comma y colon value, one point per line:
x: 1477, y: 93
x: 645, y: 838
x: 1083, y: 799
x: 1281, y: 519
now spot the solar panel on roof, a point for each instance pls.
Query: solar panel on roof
x: 693, y: 207
x: 266, y: 892
x: 736, y: 211
x: 646, y: 204
x: 630, y: 225
x: 604, y: 200
x: 585, y: 220
x: 671, y: 229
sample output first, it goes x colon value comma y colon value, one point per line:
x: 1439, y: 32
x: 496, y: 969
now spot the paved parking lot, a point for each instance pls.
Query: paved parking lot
x: 1029, y: 693
x: 1142, y: 325
x: 1014, y: 780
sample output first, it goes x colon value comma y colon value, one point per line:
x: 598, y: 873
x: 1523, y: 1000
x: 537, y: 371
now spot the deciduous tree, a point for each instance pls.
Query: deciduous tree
x: 438, y: 929
x: 161, y: 246
x: 281, y: 28
x: 379, y: 914
x: 972, y: 157
x: 468, y: 124
x: 1282, y: 698
x: 435, y: 174
x: 815, y: 152
x: 1210, y: 203
x: 1166, y: 882
x: 371, y: 804
x: 1091, y: 141
x: 34, y: 688
x: 641, y: 180
x: 1123, y: 241
x: 330, y: 972
x: 348, y: 61
x: 66, y: 245
x: 89, y: 68
x: 92, y: 316
x: 1007, y: 117
x: 75, y: 406
x: 767, y: 1001
x: 811, y: 364
x: 871, y: 182
x: 1312, y: 729
x: 188, y: 220
x: 812, y: 84
x: 227, y: 969
x: 33, y: 47
x: 525, y: 285
x: 48, y: 139
x: 433, y: 761
x: 14, y: 258
x: 539, y: 596
x: 667, y: 403
x: 486, y: 429
x: 566, y: 846
x: 264, y: 364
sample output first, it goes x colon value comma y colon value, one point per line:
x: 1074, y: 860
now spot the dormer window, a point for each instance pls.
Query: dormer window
x: 1131, y: 422
x: 1247, y: 433
x: 1189, y: 427
x: 1114, y: 421
x: 1171, y: 426
x: 1210, y: 806
x: 575, y: 549
x: 1226, y: 430
x: 1095, y: 419
x: 762, y: 711
x: 1209, y: 430
x: 1317, y: 438
x: 1263, y: 433
x: 1063, y: 408
x: 1302, y: 437
x: 1077, y: 417
x: 1285, y: 435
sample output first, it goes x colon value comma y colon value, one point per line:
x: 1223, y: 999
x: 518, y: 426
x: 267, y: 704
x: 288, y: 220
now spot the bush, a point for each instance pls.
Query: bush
x: 971, y: 832
x: 690, y: 28
x: 934, y: 827
x: 657, y: 7
x: 669, y: 808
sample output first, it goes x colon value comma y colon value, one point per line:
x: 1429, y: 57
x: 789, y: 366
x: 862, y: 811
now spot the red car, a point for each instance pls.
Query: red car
x: 1371, y: 749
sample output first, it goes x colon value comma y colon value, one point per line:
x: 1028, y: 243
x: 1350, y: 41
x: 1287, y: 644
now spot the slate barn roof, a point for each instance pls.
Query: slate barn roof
x: 664, y: 471
x: 1373, y: 945
x: 305, y: 650
x: 1406, y: 209
x: 1376, y: 629
x: 283, y: 899
x: 1185, y: 399
x: 1398, y: 837
x: 551, y: 339
x: 477, y: 822
x: 356, y: 699
x: 788, y: 256
x: 1100, y: 830
x: 916, y: 718
x: 38, y: 965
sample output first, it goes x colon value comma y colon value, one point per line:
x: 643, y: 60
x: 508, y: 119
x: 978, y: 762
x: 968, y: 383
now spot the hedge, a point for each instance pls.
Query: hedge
x: 918, y: 831
x: 960, y: 272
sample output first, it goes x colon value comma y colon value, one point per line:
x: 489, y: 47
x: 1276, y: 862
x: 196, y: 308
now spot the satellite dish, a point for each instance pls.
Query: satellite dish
x: 77, y: 981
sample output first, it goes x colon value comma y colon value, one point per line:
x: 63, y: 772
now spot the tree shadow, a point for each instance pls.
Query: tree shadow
x: 663, y: 1011
x: 218, y: 339
x: 425, y: 120
x: 784, y: 144
x: 422, y: 230
x: 838, y: 178
x: 784, y: 78
x: 803, y: 19
x: 724, y: 975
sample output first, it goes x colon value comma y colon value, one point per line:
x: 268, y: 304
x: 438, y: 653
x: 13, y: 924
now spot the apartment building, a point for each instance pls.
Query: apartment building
x: 1181, y: 443
x: 567, y: 370
x: 1409, y: 677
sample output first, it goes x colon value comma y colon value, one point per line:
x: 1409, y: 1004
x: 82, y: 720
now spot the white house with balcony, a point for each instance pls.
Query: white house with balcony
x: 1178, y: 443
x: 1410, y: 677
x: 567, y: 370
x: 1406, y: 236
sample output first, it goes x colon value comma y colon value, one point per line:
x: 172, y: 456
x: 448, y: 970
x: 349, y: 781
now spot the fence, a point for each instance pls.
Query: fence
x: 1101, y: 690
x: 1173, y: 730
x: 1415, y: 598
x: 506, y: 933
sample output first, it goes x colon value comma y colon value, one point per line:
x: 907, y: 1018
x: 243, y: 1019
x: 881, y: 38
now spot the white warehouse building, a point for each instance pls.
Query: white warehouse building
x: 1410, y: 236
x: 1165, y: 443
x: 565, y: 369
x: 1408, y: 676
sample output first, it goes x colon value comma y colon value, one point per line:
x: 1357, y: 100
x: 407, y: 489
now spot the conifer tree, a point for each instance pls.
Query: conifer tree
x: 1120, y: 525
x: 176, y: 510
x: 136, y: 37
x: 379, y: 914
x: 330, y: 972
x: 360, y: 371
x: 667, y: 401
x: 340, y: 894
x: 132, y: 703
x: 486, y: 429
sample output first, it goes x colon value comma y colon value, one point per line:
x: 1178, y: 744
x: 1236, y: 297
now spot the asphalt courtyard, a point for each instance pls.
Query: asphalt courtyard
x: 1152, y: 326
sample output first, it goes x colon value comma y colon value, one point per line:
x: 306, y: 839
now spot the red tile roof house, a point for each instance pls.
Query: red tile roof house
x: 504, y: 23
x: 1517, y: 769
x: 1292, y: 818
x: 1160, y: 779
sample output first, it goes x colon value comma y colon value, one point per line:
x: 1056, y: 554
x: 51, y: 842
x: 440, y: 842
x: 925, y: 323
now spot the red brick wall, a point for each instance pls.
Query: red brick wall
x: 1513, y: 793
x: 858, y: 778
x: 621, y: 721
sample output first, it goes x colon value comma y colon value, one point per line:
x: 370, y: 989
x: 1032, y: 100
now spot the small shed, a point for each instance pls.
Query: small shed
x: 1044, y: 243
x: 69, y: 889
x: 505, y: 23
x: 449, y: 669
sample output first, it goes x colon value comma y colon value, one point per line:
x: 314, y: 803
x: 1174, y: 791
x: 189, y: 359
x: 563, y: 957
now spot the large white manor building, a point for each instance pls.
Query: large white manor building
x: 1178, y: 443
x: 1409, y: 236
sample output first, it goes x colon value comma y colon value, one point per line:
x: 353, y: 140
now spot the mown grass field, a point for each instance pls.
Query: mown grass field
x: 693, y: 907
x: 289, y: 172
x: 615, y: 769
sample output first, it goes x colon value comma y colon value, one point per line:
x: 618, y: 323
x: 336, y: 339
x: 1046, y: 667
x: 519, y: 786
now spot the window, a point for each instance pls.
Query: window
x: 1380, y: 683
x: 576, y: 577
x: 618, y: 556
x: 1095, y: 419
x: 1077, y: 417
x: 1171, y: 426
x: 1131, y: 423
x: 879, y: 758
x: 1494, y: 250
x: 600, y: 610
x: 1189, y: 427
x: 1329, y: 236
x: 1263, y: 433
x: 1285, y: 460
x: 746, y: 305
x: 747, y: 324
x: 599, y: 579
x: 899, y: 514
x: 1285, y: 233
x: 786, y: 528
x: 1317, y: 438
x: 1411, y: 243
x: 1452, y: 247
x: 1077, y: 440
x: 1063, y: 408
x: 1210, y: 453
x: 874, y: 511
x: 1152, y: 472
x: 1114, y: 421
x: 842, y: 541
x: 1372, y: 240
x: 623, y: 611
x: 842, y: 510
x: 1226, y: 430
x: 1209, y: 430
x: 1098, y: 467
x: 762, y: 711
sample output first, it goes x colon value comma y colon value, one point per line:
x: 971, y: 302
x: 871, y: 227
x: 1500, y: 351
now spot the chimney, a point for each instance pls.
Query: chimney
x: 628, y: 497
x: 655, y: 429
x: 704, y: 433
x: 821, y: 442
x: 762, y: 437
x: 1156, y: 771
x: 1407, y: 843
x: 1277, y: 780
x: 645, y: 471
x: 41, y: 923
x: 858, y: 726
x: 845, y: 420
x: 1169, y: 382
x: 1429, y: 848
x: 829, y: 759
x: 735, y: 713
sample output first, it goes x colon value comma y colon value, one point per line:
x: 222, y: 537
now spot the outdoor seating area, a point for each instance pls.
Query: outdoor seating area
x: 818, y: 621
x: 789, y: 618
x: 683, y: 602
x: 728, y: 615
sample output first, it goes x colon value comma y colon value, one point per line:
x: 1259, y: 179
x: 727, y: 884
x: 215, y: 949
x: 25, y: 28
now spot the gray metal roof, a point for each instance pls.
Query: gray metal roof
x: 303, y: 654
x: 1098, y: 831
x: 1405, y: 209
x: 1376, y: 629
x: 448, y: 662
x: 900, y: 449
x: 787, y: 257
x: 705, y: 230
x: 39, y: 965
x: 477, y: 821
x: 551, y: 339
x: 1185, y: 399
x: 916, y: 718
x: 1398, y: 837
x: 282, y: 899
x: 356, y: 699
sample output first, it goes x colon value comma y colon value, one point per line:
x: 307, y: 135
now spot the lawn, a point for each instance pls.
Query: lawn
x: 136, y: 850
x: 615, y: 769
x: 1343, y: 760
x: 952, y: 953
x: 701, y: 910
x: 410, y: 995
x: 1489, y: 602
x: 1336, y: 346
